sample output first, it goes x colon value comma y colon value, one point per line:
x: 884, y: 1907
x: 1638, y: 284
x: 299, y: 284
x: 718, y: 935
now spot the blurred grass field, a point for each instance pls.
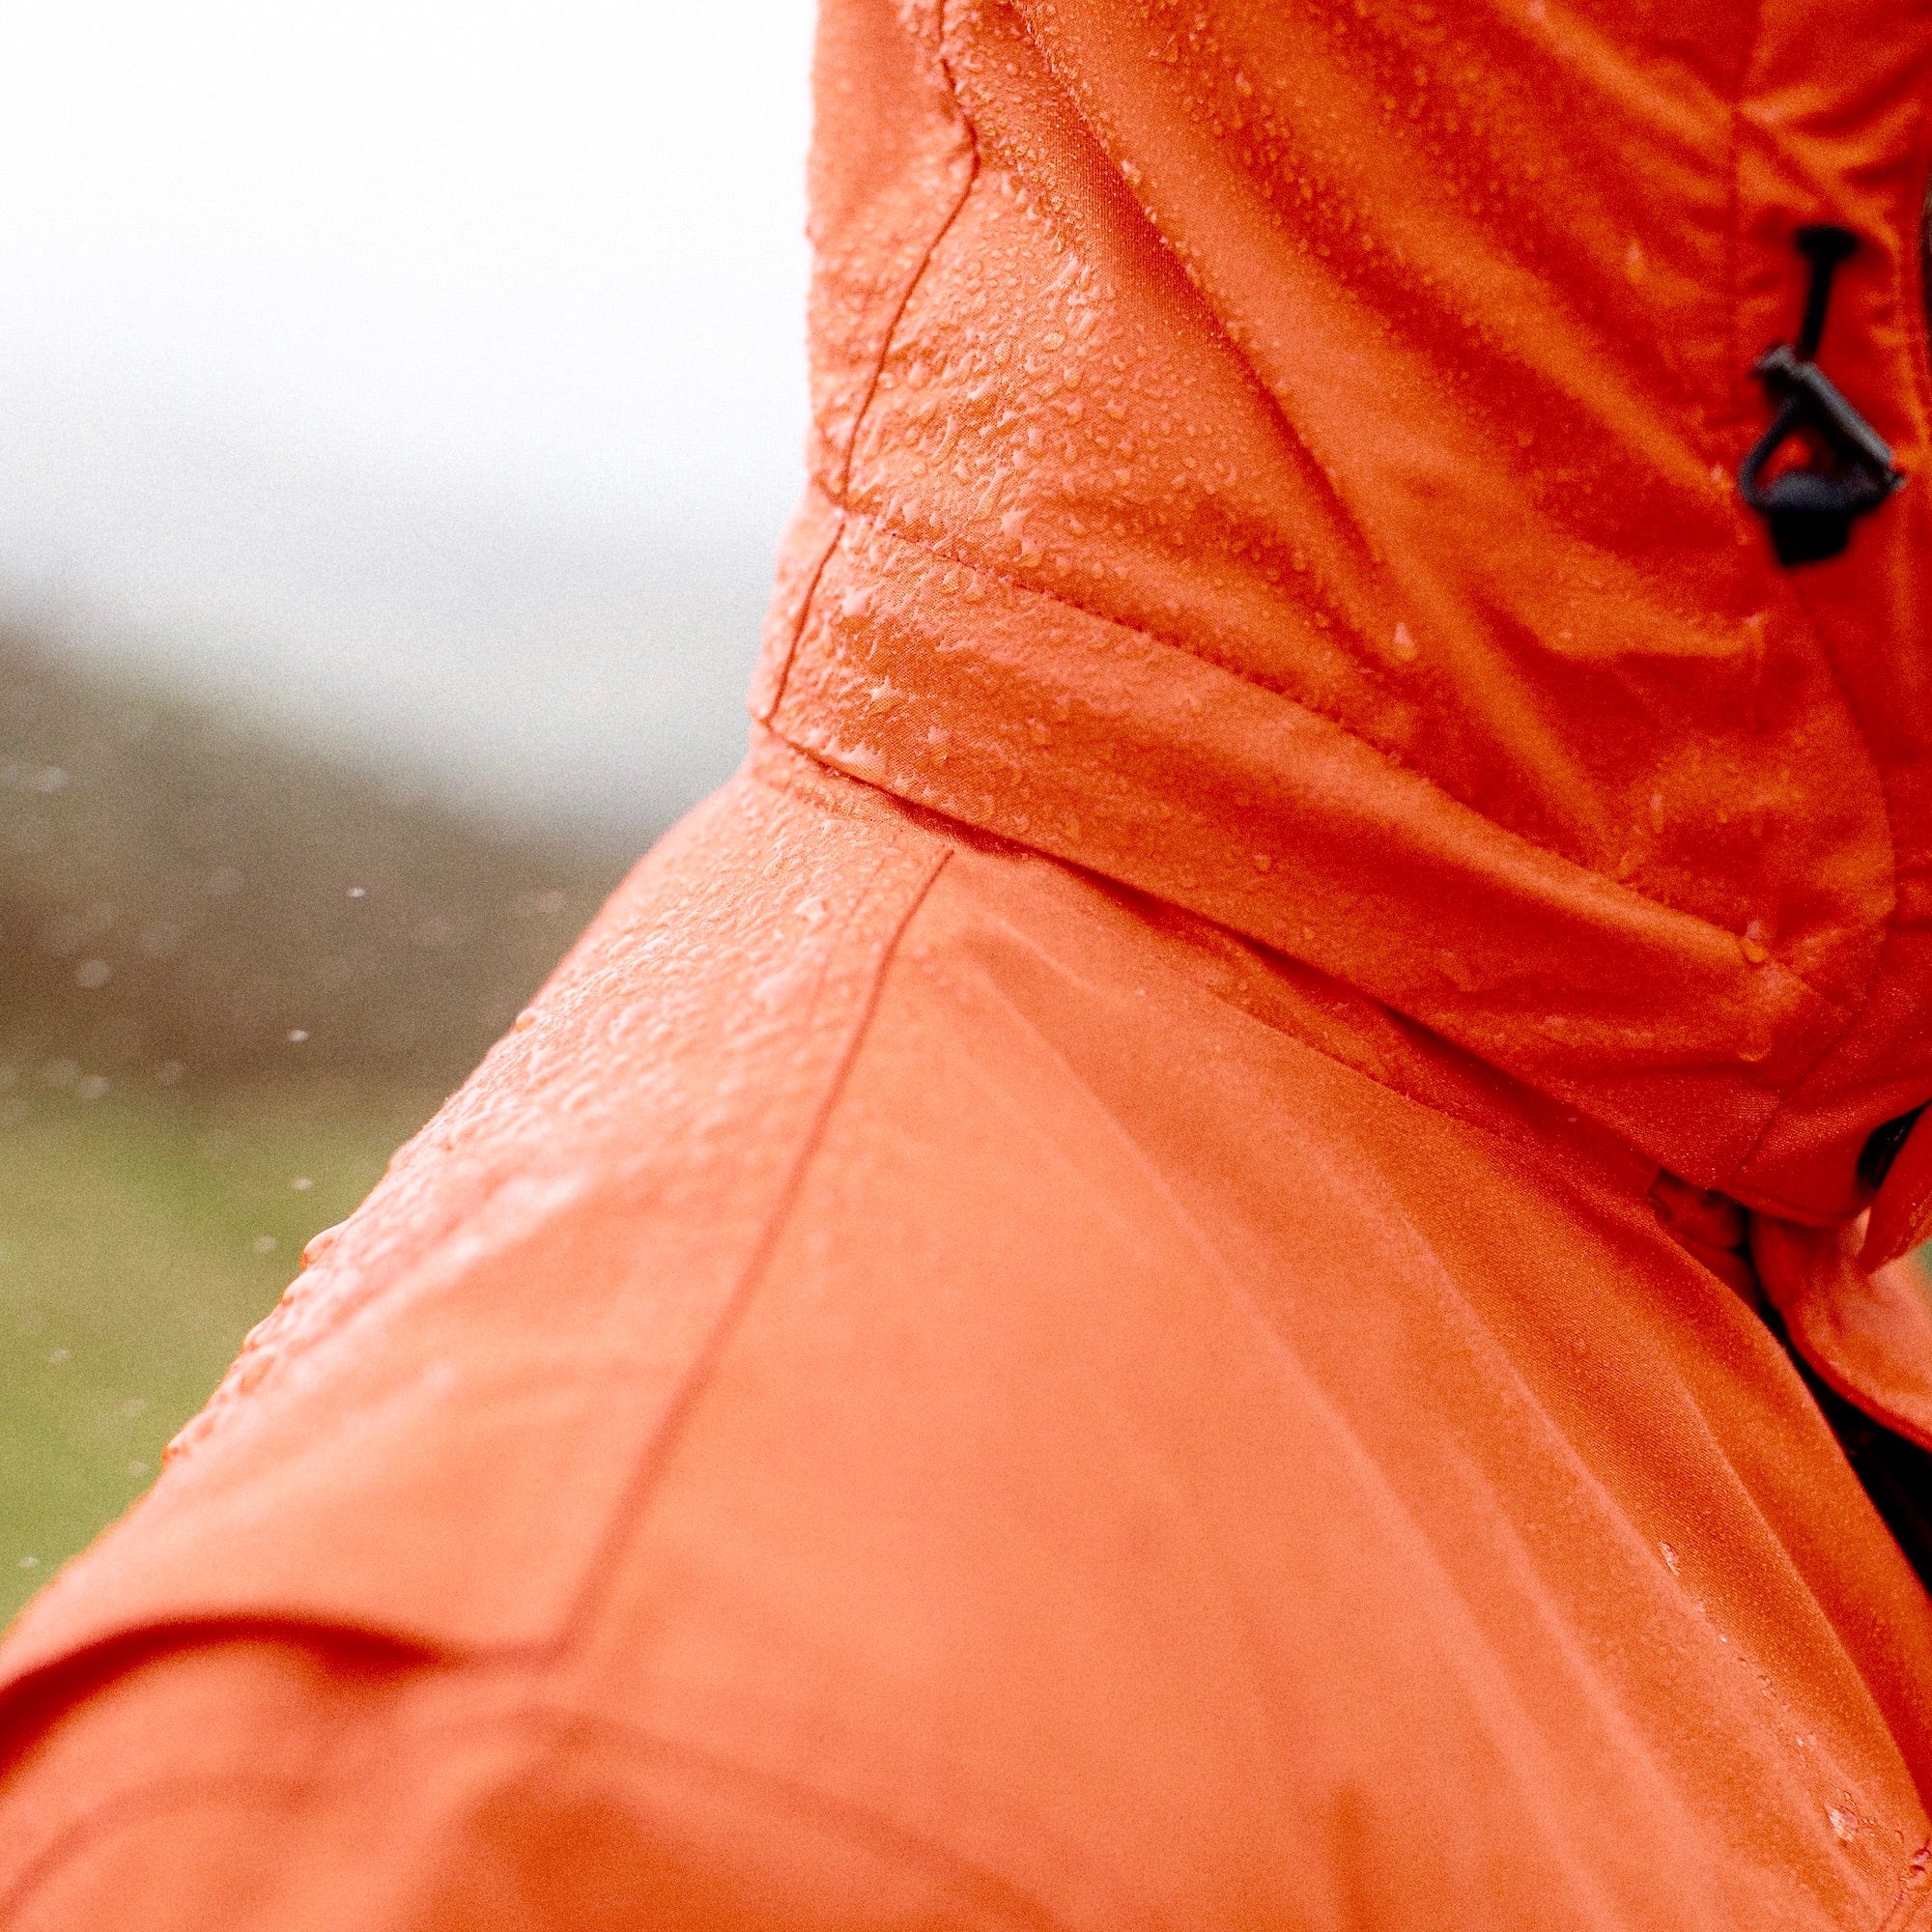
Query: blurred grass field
x: 140, y: 1237
x: 234, y: 978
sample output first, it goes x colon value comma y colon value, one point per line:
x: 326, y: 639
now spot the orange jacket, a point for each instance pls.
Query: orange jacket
x: 1136, y: 1283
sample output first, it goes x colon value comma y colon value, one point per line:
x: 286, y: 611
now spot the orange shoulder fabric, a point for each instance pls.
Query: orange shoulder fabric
x: 1137, y: 1283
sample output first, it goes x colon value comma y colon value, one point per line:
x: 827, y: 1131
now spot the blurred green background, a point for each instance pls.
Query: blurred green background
x: 233, y: 977
x: 402, y: 403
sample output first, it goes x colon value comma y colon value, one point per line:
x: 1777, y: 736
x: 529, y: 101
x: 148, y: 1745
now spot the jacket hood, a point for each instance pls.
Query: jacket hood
x: 1283, y: 458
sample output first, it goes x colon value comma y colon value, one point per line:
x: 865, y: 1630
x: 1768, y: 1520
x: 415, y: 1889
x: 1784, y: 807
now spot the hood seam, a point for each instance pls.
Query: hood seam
x: 1630, y: 1175
x: 840, y: 497
x: 851, y: 516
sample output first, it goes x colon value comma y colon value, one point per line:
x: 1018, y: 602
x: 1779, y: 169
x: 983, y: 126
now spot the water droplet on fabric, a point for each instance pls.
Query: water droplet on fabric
x: 319, y: 1243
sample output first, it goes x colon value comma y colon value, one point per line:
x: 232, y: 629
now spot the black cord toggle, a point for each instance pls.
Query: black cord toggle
x: 1811, y: 510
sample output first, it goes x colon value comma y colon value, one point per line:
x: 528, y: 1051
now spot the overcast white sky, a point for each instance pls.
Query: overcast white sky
x: 338, y: 328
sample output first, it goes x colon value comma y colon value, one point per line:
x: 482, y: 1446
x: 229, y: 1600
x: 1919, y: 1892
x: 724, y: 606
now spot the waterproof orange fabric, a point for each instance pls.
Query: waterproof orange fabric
x: 1125, y: 1288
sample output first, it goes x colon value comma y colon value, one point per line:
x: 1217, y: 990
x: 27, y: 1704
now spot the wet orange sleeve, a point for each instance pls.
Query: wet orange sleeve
x: 311, y: 1790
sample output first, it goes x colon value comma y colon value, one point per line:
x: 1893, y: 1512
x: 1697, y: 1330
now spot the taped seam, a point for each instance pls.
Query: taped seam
x: 1339, y: 724
x: 690, y: 1392
x: 840, y: 495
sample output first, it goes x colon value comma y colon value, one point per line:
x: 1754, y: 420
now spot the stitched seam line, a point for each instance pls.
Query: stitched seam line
x: 840, y: 496
x: 1580, y: 1173
x: 564, y: 1732
x: 704, y: 1359
x: 1338, y: 724
x: 705, y: 1363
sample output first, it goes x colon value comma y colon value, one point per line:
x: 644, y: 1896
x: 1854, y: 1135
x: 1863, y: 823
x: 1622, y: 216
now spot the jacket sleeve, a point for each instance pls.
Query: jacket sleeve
x: 262, y: 1785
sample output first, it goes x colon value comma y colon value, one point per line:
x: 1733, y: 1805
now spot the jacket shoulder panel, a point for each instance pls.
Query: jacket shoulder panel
x: 1173, y: 1468
x: 510, y: 1318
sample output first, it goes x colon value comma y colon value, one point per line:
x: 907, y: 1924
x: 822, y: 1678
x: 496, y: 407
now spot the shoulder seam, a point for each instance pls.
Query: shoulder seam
x: 704, y: 1367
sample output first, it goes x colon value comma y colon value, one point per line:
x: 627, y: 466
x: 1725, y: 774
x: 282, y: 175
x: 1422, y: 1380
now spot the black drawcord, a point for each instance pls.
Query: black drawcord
x: 1827, y: 248
x: 1811, y: 511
